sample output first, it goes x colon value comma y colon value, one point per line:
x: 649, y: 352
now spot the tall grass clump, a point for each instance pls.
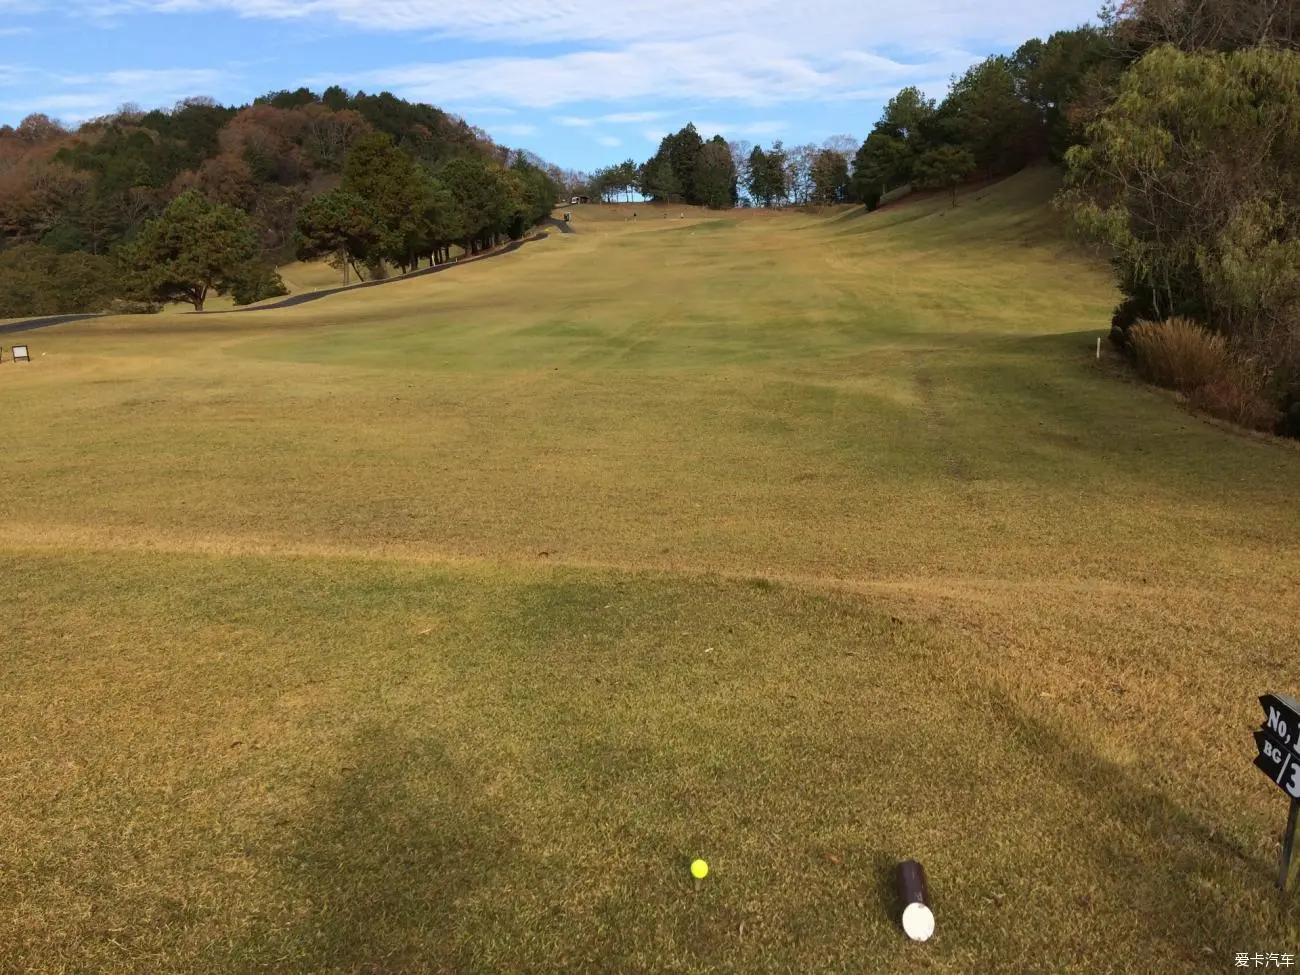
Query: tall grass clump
x: 1179, y: 354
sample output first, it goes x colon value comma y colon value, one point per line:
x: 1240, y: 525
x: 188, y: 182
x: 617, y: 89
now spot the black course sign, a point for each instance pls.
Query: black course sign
x: 1278, y: 762
x: 1281, y: 718
x: 1278, y: 741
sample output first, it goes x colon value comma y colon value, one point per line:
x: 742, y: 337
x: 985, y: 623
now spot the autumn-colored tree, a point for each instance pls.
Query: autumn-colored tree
x: 1207, y: 25
x: 327, y: 135
x: 741, y: 149
x: 35, y: 193
x: 799, y: 161
x: 37, y: 128
x: 227, y: 178
x: 267, y: 140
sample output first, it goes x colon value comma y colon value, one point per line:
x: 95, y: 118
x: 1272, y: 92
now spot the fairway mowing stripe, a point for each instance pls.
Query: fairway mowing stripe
x: 954, y: 464
x: 17, y: 540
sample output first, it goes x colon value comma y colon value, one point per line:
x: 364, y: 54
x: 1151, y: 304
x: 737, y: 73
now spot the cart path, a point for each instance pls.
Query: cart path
x: 27, y: 324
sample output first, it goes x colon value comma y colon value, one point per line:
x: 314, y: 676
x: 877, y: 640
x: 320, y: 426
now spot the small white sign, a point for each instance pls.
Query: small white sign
x: 20, y: 353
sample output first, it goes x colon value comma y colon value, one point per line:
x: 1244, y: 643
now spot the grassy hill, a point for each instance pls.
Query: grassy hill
x: 437, y: 627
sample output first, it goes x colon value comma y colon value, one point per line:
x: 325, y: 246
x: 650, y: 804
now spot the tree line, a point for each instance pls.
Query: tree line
x: 1176, y: 126
x: 1188, y: 177
x: 1000, y: 115
x: 140, y: 208
x: 720, y: 174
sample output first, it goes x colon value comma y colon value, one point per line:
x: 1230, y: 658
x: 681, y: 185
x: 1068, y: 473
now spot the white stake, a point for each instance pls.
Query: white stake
x: 1099, y: 347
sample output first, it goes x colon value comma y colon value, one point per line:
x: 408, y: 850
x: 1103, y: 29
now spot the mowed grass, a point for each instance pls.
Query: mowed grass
x: 438, y: 626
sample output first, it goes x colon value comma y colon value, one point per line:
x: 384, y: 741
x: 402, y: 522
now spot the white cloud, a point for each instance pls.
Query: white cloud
x: 741, y: 69
x: 518, y: 129
x: 617, y: 118
x: 806, y: 26
x: 14, y: 31
x: 632, y: 118
x: 77, y: 97
x: 478, y: 111
x: 750, y: 52
x: 708, y: 129
x: 609, y: 140
x: 187, y: 80
x: 12, y: 74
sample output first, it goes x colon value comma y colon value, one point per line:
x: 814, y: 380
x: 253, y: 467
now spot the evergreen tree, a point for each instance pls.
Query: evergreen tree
x: 394, y: 189
x: 986, y: 114
x: 683, y: 150
x: 715, y: 175
x: 760, y: 185
x: 337, y: 224
x: 658, y: 182
x: 944, y: 167
x: 830, y: 176
x: 194, y: 248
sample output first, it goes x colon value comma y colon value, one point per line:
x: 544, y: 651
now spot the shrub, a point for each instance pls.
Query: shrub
x: 256, y: 282
x: 1179, y: 354
x: 37, y: 280
x: 1289, y: 424
x: 1128, y: 313
x: 127, y: 306
x: 1286, y: 383
x: 1236, y: 401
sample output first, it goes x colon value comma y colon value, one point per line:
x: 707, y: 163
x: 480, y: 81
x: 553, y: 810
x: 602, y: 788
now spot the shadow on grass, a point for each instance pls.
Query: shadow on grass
x: 884, y: 870
x: 1182, y: 876
x: 376, y: 878
x: 1070, y: 343
x: 848, y: 216
x: 882, y: 221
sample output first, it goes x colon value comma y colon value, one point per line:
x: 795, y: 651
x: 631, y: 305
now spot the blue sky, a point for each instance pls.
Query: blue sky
x: 580, y: 82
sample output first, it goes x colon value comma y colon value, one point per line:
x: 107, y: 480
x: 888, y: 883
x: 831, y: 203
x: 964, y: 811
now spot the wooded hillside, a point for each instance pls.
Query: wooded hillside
x: 168, y: 205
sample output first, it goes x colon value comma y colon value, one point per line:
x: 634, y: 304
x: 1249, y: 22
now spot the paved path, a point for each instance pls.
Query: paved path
x: 299, y: 299
x: 30, y: 323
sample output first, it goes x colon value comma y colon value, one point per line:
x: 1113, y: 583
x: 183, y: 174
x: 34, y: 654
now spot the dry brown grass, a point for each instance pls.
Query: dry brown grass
x: 437, y: 627
x: 1180, y: 354
x: 1237, y: 399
